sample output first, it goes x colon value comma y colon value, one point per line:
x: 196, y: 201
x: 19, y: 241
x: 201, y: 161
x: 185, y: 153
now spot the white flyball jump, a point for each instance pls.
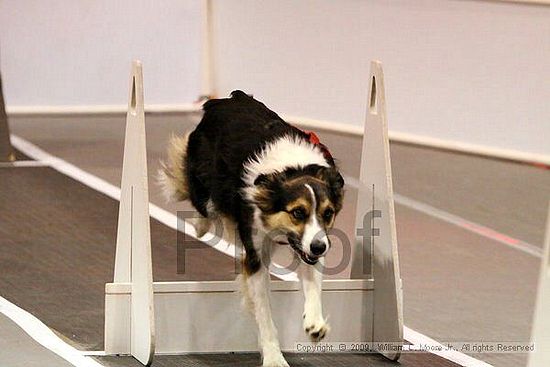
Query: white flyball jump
x: 541, y: 321
x: 7, y: 153
x: 133, y: 264
x: 143, y: 317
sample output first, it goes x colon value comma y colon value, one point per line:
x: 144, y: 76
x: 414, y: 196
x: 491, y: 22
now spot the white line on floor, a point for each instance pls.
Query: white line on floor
x: 44, y: 335
x: 460, y: 222
x: 93, y: 353
x: 23, y: 164
x: 99, y: 184
x: 470, y: 226
x: 462, y: 359
x: 171, y: 221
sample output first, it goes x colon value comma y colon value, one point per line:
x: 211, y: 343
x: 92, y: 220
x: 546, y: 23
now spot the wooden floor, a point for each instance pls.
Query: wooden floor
x: 458, y: 286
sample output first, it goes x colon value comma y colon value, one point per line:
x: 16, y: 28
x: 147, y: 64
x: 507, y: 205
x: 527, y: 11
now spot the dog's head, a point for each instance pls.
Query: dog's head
x: 299, y: 206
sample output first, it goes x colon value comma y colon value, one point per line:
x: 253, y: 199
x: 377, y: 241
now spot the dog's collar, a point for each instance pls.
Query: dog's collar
x: 314, y: 139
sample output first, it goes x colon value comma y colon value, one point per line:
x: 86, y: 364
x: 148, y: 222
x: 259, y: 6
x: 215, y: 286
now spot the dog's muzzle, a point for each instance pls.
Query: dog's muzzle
x: 308, y: 259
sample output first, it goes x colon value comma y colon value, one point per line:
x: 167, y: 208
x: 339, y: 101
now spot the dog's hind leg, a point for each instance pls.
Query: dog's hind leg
x: 199, y: 194
x: 173, y: 178
x: 203, y: 224
x: 315, y: 324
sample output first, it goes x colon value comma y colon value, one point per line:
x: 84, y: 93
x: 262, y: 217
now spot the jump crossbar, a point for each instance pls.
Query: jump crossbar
x: 143, y: 317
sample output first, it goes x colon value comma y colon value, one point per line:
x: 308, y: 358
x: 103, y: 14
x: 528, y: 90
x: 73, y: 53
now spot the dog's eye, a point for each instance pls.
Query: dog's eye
x: 298, y: 213
x: 327, y: 215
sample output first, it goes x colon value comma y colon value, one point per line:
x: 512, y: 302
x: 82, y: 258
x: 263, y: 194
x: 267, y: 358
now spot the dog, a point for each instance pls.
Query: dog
x: 278, y: 185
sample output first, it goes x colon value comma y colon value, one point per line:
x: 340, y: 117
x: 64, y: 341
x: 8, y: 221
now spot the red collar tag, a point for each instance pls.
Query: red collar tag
x: 314, y: 139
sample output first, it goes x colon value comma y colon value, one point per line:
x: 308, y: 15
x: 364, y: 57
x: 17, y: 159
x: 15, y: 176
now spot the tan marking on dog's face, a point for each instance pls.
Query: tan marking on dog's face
x: 300, y: 205
x: 295, y: 196
x: 300, y: 210
x: 327, y: 213
x: 281, y: 221
x: 287, y: 220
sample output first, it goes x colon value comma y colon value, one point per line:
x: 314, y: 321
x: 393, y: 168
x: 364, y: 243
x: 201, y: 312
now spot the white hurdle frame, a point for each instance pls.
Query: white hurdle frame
x: 7, y: 154
x: 133, y: 264
x: 541, y: 321
x: 142, y: 316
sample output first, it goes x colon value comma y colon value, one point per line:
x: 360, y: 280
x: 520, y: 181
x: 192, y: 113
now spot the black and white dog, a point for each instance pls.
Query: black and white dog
x: 279, y: 186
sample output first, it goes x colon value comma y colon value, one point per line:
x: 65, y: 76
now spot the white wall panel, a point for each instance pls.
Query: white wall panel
x: 476, y: 72
x: 66, y: 52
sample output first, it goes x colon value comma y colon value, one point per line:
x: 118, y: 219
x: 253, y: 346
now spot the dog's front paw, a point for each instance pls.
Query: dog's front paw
x: 274, y: 360
x: 317, y: 328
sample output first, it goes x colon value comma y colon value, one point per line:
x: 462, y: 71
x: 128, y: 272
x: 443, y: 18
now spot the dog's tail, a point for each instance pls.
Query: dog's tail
x: 172, y: 176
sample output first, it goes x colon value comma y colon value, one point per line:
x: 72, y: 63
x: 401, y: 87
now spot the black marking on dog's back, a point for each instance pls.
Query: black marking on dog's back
x: 232, y: 130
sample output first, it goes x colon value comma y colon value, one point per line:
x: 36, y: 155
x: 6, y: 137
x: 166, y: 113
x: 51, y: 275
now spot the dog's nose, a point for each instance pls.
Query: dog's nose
x: 318, y: 248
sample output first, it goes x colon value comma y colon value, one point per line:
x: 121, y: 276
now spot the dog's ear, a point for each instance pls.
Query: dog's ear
x: 335, y: 183
x: 267, y: 195
x: 266, y: 180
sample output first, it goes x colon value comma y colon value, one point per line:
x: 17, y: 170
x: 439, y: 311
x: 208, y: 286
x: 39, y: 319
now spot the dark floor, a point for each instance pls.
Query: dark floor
x: 57, y: 223
x: 295, y: 360
x: 509, y: 197
x: 458, y: 286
